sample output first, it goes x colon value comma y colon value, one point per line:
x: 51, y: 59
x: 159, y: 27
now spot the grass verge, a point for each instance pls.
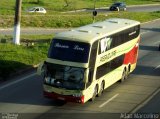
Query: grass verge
x: 14, y: 58
x: 7, y: 6
x: 74, y: 19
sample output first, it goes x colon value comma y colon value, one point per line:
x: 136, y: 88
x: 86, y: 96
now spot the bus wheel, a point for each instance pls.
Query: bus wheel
x: 126, y: 74
x: 123, y: 76
x: 94, y: 93
x: 101, y: 89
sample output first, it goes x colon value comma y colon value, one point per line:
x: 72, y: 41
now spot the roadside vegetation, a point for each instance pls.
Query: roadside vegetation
x: 15, y: 58
x: 7, y: 6
x: 73, y: 19
x: 34, y: 48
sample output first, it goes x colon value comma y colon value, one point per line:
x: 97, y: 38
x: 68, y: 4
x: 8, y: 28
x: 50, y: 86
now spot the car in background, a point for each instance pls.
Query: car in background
x: 37, y: 10
x: 118, y: 6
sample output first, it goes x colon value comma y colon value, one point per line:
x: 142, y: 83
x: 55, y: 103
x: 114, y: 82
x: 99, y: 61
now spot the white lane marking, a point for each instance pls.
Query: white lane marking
x: 17, y: 81
x: 157, y: 67
x: 108, y: 101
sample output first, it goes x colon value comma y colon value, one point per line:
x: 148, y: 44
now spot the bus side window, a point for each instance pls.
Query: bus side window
x: 102, y: 70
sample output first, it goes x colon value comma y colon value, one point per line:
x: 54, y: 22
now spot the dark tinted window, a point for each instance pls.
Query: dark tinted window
x: 119, y: 38
x: 69, y: 51
x: 109, y: 66
x: 102, y: 70
x: 124, y: 36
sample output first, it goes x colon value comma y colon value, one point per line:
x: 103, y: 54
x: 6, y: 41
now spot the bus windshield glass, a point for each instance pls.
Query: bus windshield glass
x: 69, y: 51
x: 62, y: 76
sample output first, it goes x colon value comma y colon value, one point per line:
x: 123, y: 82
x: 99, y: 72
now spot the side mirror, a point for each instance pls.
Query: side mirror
x: 40, y: 68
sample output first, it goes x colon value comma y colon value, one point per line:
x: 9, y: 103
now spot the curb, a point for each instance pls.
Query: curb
x: 145, y: 101
x: 27, y: 69
x: 150, y: 21
x: 19, y: 72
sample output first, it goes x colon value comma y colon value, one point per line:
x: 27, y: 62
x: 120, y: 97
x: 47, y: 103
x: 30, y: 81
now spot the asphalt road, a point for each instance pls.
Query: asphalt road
x: 135, y: 8
x: 22, y: 97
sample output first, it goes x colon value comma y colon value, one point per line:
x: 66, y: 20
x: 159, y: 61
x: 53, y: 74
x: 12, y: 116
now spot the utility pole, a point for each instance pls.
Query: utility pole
x: 16, y: 35
x: 94, y: 11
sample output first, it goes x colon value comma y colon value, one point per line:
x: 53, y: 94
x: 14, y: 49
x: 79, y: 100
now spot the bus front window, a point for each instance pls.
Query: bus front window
x: 64, y: 76
x: 66, y: 50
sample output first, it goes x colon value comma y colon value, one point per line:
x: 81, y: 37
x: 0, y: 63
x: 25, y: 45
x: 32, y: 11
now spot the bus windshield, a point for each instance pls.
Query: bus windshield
x: 69, y: 51
x: 62, y: 76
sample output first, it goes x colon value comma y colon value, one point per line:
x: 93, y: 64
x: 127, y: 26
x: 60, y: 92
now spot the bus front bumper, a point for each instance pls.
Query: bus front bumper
x: 67, y: 98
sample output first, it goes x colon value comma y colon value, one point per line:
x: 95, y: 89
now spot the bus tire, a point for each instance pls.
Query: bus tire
x: 123, y: 75
x: 101, y: 89
x: 95, y: 93
x: 126, y: 74
x: 159, y: 47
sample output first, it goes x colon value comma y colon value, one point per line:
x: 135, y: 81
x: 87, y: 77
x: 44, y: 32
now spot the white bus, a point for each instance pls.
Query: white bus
x: 84, y: 61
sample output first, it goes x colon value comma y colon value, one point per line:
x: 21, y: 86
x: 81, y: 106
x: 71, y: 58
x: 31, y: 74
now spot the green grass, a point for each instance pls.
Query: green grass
x: 43, y: 37
x: 14, y: 58
x: 74, y: 19
x: 7, y: 6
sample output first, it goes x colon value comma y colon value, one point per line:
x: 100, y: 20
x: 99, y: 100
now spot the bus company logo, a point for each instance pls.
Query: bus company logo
x: 108, y: 56
x: 58, y: 45
x: 77, y: 47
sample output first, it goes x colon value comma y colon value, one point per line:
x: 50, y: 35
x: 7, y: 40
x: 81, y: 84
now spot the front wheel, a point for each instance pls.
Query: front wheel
x: 94, y: 93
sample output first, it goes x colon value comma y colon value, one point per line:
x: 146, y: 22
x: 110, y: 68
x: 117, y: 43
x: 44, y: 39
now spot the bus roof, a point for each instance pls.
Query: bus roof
x: 92, y: 32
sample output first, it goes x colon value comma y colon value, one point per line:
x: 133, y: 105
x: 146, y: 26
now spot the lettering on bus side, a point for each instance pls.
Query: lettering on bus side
x: 108, y: 56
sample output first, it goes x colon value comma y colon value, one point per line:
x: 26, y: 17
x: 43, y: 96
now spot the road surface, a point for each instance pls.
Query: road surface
x: 133, y: 8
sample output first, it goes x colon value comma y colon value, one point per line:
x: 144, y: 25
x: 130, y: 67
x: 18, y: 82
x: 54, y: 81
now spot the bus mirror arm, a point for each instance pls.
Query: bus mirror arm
x: 40, y: 68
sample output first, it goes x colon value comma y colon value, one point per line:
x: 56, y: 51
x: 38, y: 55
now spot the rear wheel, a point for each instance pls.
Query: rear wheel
x: 124, y: 75
x: 101, y: 89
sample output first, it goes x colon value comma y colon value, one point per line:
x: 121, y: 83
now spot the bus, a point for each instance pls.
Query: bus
x: 82, y: 62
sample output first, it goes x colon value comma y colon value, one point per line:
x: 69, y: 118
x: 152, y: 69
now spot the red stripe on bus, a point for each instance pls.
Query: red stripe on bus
x: 131, y: 56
